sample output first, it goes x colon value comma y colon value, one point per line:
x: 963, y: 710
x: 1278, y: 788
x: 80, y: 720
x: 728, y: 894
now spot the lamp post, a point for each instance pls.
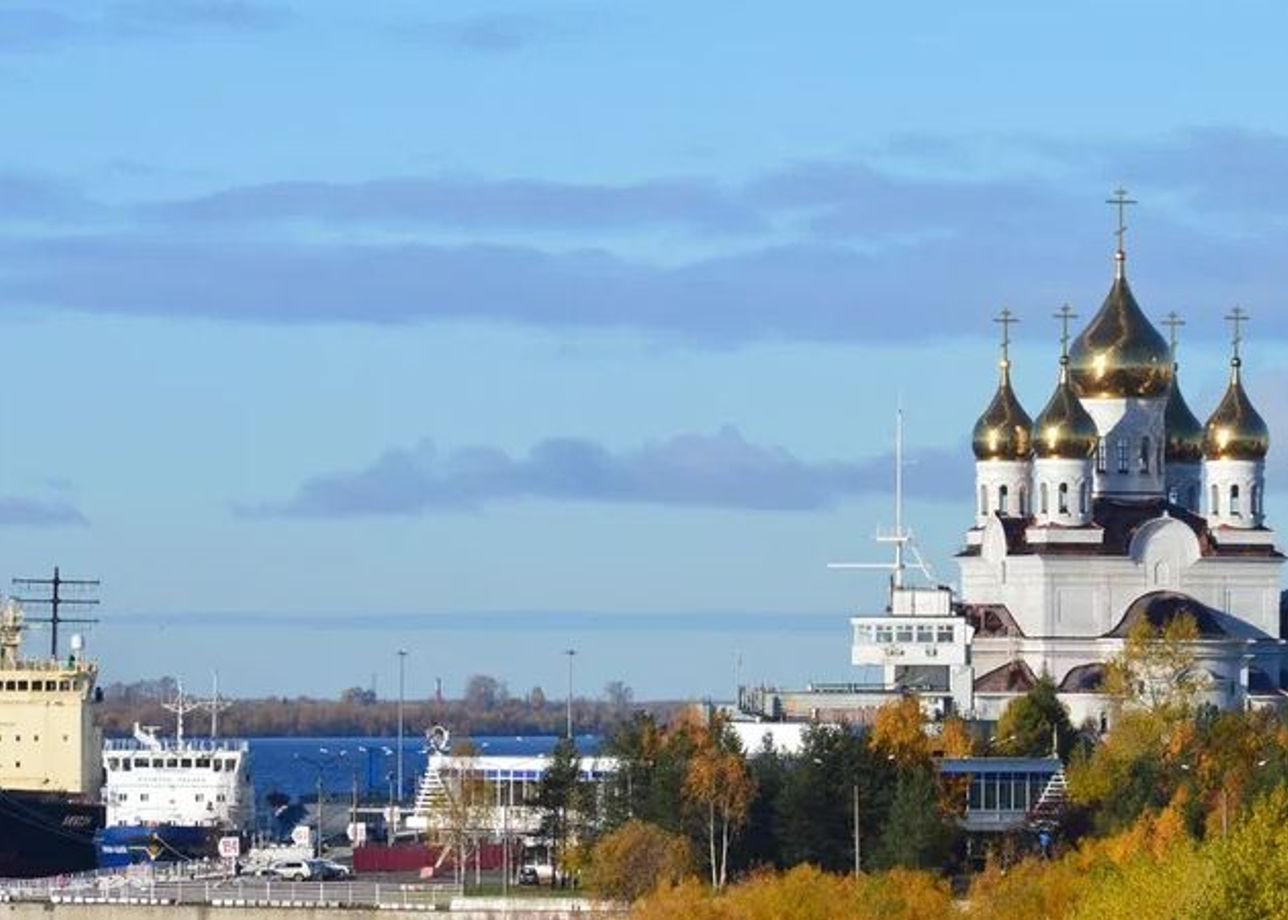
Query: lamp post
x: 402, y: 661
x: 571, y: 653
x: 320, y: 764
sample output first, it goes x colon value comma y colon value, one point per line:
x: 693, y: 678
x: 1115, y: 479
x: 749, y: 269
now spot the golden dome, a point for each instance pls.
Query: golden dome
x: 1120, y: 354
x: 1005, y: 430
x: 1064, y: 429
x: 1183, y: 431
x: 1236, y: 431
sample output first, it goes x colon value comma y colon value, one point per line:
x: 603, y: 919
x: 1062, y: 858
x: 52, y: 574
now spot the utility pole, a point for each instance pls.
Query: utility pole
x: 570, y: 653
x: 55, y: 600
x: 402, y: 662
x: 857, y: 846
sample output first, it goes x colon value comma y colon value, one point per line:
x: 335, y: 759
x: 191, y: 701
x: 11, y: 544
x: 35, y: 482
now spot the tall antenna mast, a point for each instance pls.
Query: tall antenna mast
x: 55, y: 601
x: 180, y: 707
x: 214, y: 705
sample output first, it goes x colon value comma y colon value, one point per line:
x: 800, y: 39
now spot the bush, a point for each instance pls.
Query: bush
x: 637, y: 858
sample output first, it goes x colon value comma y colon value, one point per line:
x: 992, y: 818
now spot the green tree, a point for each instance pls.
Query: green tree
x: 1031, y: 722
x: 917, y: 835
x: 557, y: 796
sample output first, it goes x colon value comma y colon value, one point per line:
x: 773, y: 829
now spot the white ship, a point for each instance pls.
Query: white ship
x: 172, y: 799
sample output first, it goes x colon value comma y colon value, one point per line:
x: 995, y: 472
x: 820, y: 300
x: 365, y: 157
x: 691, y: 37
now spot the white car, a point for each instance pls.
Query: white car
x: 295, y: 870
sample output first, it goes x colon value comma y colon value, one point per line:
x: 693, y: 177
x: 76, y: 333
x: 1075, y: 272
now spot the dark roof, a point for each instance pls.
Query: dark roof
x: 1120, y: 519
x: 1262, y: 684
x: 1085, y: 678
x: 991, y: 621
x: 1011, y: 677
x: 1160, y: 608
x: 1000, y: 765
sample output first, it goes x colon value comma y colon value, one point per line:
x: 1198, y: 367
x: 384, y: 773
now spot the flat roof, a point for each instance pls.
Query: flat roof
x: 1000, y: 765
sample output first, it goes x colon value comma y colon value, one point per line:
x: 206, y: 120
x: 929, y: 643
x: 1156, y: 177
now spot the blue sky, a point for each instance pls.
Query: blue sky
x: 332, y: 328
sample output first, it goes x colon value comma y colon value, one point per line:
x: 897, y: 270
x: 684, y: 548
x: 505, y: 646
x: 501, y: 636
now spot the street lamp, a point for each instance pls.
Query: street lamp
x: 571, y: 652
x: 320, y: 764
x: 402, y: 661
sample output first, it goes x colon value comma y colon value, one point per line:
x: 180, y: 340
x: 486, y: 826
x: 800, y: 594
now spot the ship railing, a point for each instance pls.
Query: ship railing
x: 212, y: 745
x: 226, y: 890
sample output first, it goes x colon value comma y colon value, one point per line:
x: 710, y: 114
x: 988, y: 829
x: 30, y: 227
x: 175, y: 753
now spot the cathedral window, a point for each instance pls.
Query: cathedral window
x: 1102, y: 458
x: 1064, y: 498
x: 1082, y: 498
x: 1216, y: 501
x: 1024, y: 501
x: 983, y: 500
x: 1045, y: 504
x: 1003, y: 500
x: 1254, y: 506
x: 1234, y: 501
x: 1144, y: 454
x: 1122, y: 455
x: 1173, y: 495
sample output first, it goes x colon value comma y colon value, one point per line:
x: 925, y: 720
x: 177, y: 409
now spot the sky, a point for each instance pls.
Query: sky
x: 488, y: 330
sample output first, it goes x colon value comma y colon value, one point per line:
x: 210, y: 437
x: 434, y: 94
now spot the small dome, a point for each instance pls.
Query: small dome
x: 1184, y: 432
x: 1120, y: 354
x: 1004, y: 431
x: 1064, y: 429
x: 1236, y: 431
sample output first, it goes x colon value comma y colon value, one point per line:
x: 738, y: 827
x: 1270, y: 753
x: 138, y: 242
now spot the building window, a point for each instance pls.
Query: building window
x: 1003, y: 500
x: 983, y: 500
x: 943, y: 634
x: 1024, y: 501
x: 1144, y: 454
x: 1046, y: 509
x: 1234, y: 501
x: 1254, y: 506
x: 1082, y: 498
x: 1102, y: 456
x: 1064, y: 498
x: 1216, y: 501
x: 1122, y: 455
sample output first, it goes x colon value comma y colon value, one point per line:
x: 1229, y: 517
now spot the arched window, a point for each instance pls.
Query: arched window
x: 1254, y: 506
x: 1173, y: 495
x: 1064, y: 498
x: 983, y: 500
x: 1003, y: 500
x: 1122, y: 455
x: 1144, y: 454
x: 1234, y: 502
x: 1045, y: 504
x: 1216, y: 501
x: 1102, y: 456
x: 1082, y: 498
x: 1024, y: 501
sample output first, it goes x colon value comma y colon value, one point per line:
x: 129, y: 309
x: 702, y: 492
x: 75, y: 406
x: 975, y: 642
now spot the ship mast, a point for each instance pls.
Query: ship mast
x: 180, y: 707
x: 10, y: 633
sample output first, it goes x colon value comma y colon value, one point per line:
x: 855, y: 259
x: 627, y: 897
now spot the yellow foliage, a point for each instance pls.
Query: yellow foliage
x: 899, y: 731
x: 637, y: 858
x: 955, y: 739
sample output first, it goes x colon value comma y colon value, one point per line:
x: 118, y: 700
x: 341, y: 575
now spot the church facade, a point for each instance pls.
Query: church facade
x: 1116, y: 505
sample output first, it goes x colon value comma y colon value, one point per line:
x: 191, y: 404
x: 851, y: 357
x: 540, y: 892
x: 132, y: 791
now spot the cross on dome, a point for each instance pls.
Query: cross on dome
x: 1236, y: 318
x: 1064, y: 315
x: 1006, y: 319
x: 1173, y: 322
x: 1122, y: 202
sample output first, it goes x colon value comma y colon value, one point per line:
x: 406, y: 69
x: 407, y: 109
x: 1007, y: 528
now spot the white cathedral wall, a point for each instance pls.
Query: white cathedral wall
x: 1074, y: 509
x: 991, y: 476
x: 1129, y: 422
x: 1233, y: 492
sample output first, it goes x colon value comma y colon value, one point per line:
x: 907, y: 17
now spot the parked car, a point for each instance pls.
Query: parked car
x: 295, y: 870
x: 329, y: 870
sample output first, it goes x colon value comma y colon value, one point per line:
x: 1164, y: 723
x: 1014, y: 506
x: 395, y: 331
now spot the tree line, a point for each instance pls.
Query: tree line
x: 486, y: 708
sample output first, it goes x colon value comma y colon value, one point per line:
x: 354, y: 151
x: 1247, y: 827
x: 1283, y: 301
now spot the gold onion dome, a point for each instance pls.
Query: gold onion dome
x: 1184, y: 432
x: 1004, y: 431
x: 1236, y: 431
x: 1120, y: 354
x: 1064, y: 429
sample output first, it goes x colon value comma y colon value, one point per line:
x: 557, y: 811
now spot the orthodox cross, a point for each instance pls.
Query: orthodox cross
x: 1236, y: 318
x: 1122, y: 202
x: 1006, y: 319
x: 1173, y: 322
x: 1066, y: 313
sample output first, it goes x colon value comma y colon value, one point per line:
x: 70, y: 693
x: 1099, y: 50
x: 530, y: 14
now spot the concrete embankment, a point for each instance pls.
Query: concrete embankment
x: 461, y: 909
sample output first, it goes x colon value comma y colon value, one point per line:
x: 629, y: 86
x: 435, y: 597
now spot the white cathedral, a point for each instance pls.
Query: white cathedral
x: 1115, y: 505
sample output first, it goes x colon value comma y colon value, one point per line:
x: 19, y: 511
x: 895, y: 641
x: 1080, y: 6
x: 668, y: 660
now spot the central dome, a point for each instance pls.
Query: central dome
x: 1120, y: 354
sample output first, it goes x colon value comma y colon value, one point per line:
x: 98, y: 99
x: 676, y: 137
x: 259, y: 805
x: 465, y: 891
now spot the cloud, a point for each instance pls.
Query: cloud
x: 474, y: 203
x: 16, y: 511
x: 493, y: 33
x: 721, y: 470
x: 35, y: 29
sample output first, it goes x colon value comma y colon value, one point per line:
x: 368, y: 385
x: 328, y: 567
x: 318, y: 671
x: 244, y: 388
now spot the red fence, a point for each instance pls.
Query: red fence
x: 414, y: 857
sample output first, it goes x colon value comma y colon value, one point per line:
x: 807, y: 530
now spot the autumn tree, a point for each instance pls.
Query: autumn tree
x: 1157, y: 668
x: 719, y: 782
x: 899, y: 731
x: 636, y: 858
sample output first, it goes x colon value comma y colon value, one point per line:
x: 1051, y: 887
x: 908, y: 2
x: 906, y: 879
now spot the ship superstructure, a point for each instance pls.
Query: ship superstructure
x: 173, y: 798
x: 50, y: 766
